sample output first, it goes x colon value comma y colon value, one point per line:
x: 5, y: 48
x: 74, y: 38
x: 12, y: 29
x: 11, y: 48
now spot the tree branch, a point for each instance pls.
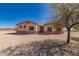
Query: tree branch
x: 73, y: 25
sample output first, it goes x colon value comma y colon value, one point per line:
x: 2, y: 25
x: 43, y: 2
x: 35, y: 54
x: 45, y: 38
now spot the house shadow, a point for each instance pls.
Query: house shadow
x: 75, y: 39
x: 29, y: 33
x: 51, y: 33
x: 19, y: 33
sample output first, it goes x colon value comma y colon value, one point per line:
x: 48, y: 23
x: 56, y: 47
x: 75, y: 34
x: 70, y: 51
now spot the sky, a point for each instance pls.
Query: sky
x: 11, y: 13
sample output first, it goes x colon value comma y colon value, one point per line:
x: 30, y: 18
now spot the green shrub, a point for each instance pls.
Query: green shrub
x: 76, y: 27
x: 58, y: 26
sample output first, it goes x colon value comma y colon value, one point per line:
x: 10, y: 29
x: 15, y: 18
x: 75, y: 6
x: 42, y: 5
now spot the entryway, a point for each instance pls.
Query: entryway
x: 41, y: 29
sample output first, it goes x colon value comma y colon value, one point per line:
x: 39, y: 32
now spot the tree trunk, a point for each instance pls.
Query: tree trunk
x: 68, y: 36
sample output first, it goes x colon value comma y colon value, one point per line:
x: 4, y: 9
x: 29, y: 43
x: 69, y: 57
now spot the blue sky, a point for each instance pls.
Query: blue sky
x: 11, y: 14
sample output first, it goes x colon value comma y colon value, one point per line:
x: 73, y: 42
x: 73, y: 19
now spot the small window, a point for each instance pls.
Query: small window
x: 24, y: 26
x: 31, y: 28
x: 49, y: 29
x: 20, y: 26
x: 59, y: 29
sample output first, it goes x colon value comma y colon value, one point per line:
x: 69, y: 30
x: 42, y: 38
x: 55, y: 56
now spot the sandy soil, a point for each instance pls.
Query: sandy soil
x: 7, y: 39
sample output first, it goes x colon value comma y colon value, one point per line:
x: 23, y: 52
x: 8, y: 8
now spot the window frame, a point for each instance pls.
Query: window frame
x: 49, y: 29
x: 31, y: 28
x: 24, y: 26
x: 20, y: 26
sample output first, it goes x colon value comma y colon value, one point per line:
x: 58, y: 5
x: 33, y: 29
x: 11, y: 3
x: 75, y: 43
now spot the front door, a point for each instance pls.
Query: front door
x: 41, y: 29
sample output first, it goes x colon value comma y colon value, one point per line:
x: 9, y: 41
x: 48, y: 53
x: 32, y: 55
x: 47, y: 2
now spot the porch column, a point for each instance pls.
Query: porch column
x: 36, y: 29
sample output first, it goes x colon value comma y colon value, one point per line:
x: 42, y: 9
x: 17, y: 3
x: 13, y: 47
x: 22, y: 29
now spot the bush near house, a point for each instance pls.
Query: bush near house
x: 76, y: 27
x: 58, y: 26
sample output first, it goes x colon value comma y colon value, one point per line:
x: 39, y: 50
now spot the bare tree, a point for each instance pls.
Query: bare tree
x: 67, y: 14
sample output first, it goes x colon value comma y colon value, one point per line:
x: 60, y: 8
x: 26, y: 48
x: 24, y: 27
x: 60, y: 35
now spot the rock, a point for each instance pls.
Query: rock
x: 42, y: 48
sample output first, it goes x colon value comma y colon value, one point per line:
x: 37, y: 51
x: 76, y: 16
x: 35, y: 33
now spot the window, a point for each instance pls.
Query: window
x: 59, y: 29
x: 20, y: 26
x: 49, y: 29
x: 31, y: 28
x: 24, y: 26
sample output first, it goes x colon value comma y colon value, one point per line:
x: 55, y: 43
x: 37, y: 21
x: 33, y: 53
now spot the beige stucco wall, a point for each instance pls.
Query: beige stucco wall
x: 34, y: 25
x: 45, y: 27
x: 22, y: 29
x: 27, y: 27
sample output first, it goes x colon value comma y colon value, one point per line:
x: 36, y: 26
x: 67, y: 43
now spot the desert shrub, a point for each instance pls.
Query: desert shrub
x: 76, y: 27
x: 58, y: 26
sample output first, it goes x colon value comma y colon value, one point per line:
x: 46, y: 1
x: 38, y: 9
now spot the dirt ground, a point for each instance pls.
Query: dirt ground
x: 9, y: 38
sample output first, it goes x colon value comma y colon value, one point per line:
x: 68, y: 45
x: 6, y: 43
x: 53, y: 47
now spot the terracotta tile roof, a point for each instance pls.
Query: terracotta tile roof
x: 26, y: 22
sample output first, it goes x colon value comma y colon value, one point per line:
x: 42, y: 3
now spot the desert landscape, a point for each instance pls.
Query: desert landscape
x: 9, y: 38
x: 39, y: 29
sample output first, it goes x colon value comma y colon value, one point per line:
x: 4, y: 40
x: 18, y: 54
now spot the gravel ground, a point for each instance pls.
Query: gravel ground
x: 43, y: 48
x: 35, y: 44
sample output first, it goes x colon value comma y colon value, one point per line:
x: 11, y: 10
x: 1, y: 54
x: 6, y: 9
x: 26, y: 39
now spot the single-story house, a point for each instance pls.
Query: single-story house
x: 33, y: 27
